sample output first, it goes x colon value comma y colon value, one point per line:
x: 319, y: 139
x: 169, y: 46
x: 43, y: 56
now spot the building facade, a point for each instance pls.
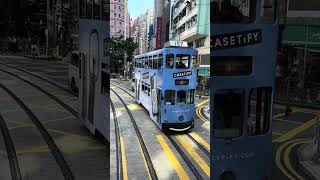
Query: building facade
x: 190, y: 22
x: 119, y: 18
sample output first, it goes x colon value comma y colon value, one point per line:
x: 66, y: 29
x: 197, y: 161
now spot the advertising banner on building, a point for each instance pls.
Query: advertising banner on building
x: 158, y: 33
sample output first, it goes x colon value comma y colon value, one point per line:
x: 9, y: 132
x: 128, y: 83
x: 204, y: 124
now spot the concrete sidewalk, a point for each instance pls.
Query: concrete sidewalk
x: 306, y: 160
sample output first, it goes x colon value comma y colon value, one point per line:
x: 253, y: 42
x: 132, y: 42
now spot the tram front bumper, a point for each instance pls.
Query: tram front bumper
x: 178, y: 126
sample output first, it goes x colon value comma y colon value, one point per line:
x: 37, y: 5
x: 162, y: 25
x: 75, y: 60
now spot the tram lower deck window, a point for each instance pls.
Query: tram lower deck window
x: 190, y: 98
x: 259, y: 107
x: 169, y: 97
x: 181, y: 97
x: 228, y: 113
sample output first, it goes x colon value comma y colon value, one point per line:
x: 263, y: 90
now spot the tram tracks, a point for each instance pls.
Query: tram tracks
x: 64, y: 167
x: 173, y: 140
x: 143, y: 146
x: 118, y: 143
x: 11, y: 152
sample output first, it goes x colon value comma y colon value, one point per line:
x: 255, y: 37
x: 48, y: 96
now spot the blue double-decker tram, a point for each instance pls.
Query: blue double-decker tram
x: 244, y: 37
x: 165, y: 83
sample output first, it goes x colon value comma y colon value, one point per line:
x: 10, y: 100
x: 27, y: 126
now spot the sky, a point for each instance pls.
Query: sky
x: 138, y: 7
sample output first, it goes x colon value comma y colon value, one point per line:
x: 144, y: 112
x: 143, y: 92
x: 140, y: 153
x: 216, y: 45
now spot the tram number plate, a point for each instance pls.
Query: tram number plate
x: 231, y: 65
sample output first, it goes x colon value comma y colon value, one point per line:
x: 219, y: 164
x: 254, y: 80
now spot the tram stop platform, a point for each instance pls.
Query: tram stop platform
x: 307, y: 162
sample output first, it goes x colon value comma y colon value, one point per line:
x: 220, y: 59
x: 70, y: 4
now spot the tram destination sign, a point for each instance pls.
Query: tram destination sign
x: 182, y: 74
x: 234, y: 40
x: 231, y: 66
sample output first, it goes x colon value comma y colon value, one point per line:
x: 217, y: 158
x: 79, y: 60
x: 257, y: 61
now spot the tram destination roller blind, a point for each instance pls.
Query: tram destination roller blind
x: 231, y: 66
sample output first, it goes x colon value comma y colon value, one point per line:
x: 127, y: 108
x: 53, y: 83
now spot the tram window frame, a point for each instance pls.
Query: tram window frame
x: 155, y: 62
x: 236, y: 98
x: 169, y: 56
x: 180, y: 100
x: 89, y: 13
x: 150, y: 63
x: 214, y: 8
x: 268, y: 19
x: 146, y: 63
x: 96, y: 9
x: 264, y: 96
x: 172, y: 97
x: 82, y: 13
x: 190, y: 96
x: 181, y: 56
x: 195, y: 61
x: 160, y: 61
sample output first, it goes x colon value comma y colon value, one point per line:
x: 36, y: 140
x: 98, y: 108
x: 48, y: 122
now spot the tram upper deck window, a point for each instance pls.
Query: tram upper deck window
x: 169, y: 61
x: 268, y: 13
x: 96, y: 9
x: 150, y: 62
x: 89, y: 9
x: 228, y: 111
x: 259, y: 111
x: 160, y: 61
x: 195, y: 62
x: 155, y: 62
x: 232, y: 11
x: 169, y: 97
x: 181, y: 97
x: 182, y: 61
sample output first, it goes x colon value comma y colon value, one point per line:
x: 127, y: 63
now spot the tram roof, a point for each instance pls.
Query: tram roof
x: 158, y: 51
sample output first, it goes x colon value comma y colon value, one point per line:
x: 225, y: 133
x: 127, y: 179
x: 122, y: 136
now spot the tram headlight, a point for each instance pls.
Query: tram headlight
x: 227, y: 175
x: 181, y: 118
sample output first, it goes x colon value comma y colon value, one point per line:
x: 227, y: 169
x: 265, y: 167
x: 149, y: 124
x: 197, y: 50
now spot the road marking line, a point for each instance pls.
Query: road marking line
x: 200, y: 140
x: 203, y: 102
x: 287, y: 160
x: 290, y: 134
x: 124, y: 161
x: 174, y: 162
x: 204, y: 166
x: 278, y: 160
x: 283, y: 120
x: 276, y: 133
x: 145, y: 162
x: 198, y: 112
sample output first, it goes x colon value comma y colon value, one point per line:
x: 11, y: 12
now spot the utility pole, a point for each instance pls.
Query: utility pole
x: 125, y: 38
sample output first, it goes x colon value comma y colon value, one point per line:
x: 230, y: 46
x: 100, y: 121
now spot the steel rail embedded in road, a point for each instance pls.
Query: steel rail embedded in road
x: 64, y: 167
x: 118, y: 146
x: 11, y: 152
x: 72, y: 111
x: 39, y: 77
x: 151, y: 168
x: 203, y: 149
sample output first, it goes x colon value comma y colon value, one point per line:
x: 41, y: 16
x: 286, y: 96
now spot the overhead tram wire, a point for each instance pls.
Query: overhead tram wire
x: 151, y: 168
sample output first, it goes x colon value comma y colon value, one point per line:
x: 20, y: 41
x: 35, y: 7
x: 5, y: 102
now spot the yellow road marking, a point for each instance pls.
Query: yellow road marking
x: 198, y: 112
x: 173, y: 160
x: 145, y: 162
x: 290, y: 134
x: 124, y: 161
x: 204, y: 166
x: 287, y: 160
x: 131, y: 106
x: 278, y: 160
x: 203, y: 102
x: 276, y: 133
x: 200, y: 140
x: 283, y: 120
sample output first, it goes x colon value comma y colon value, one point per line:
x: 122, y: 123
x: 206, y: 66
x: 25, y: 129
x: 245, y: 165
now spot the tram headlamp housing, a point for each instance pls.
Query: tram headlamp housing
x: 227, y: 175
x: 181, y: 118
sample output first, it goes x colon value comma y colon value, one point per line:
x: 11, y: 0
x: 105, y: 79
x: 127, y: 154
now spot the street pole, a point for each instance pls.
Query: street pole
x: 125, y: 38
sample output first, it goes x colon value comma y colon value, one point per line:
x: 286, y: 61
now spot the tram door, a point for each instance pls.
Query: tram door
x: 93, y: 63
x: 154, y: 95
x: 138, y: 84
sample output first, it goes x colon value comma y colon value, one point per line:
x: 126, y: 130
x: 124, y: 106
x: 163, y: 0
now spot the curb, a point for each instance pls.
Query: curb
x: 300, y: 165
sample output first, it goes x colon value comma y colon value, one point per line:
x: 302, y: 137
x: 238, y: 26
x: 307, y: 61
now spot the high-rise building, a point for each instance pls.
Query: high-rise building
x: 161, y: 23
x: 190, y: 22
x: 119, y: 18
